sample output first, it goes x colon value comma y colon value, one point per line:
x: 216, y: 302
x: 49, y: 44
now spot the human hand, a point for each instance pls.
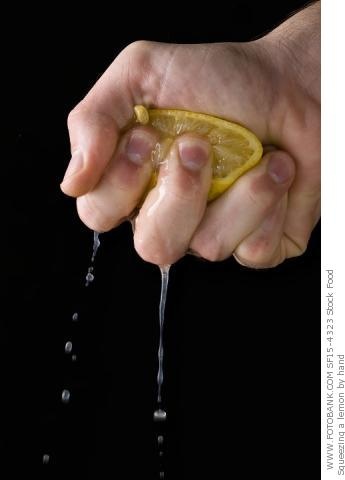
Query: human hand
x: 271, y: 86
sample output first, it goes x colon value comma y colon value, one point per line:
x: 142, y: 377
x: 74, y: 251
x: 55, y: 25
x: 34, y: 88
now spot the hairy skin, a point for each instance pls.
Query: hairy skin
x: 270, y: 85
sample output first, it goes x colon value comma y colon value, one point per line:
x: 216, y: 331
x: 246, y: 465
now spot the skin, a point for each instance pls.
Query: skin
x: 271, y: 85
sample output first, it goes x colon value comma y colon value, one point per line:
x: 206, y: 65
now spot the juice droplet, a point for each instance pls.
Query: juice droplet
x: 74, y: 358
x: 96, y: 244
x: 89, y: 277
x: 161, y: 474
x: 45, y: 458
x: 75, y: 317
x: 160, y: 415
x: 164, y: 288
x: 68, y: 347
x: 160, y: 439
x: 132, y: 219
x: 65, y: 396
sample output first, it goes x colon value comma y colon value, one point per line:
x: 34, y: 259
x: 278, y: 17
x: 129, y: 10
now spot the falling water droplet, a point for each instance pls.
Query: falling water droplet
x: 75, y: 317
x: 161, y: 453
x: 45, y: 458
x: 65, y: 396
x: 160, y: 439
x: 164, y: 269
x: 68, y: 347
x: 74, y: 358
x: 96, y: 244
x: 89, y: 277
x: 160, y: 415
x: 161, y: 474
x: 133, y: 218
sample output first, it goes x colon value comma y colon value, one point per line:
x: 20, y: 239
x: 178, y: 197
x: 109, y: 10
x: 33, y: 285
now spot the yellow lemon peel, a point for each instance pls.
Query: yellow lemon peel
x: 235, y: 149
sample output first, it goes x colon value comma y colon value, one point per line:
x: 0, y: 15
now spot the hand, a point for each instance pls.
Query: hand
x: 271, y: 86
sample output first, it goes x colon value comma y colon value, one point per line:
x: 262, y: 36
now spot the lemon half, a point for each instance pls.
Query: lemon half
x: 235, y: 149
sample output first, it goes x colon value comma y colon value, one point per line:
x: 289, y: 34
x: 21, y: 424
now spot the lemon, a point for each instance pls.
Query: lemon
x: 235, y: 149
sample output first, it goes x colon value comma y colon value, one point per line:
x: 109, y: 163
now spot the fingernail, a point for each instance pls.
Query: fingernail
x: 139, y: 147
x: 279, y: 168
x: 194, y: 153
x: 75, y: 164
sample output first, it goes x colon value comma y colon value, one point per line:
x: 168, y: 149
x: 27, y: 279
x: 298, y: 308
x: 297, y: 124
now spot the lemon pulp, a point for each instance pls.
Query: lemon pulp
x: 235, y: 149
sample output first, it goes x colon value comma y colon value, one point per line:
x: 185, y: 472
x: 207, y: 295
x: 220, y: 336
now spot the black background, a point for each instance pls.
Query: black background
x: 241, y: 346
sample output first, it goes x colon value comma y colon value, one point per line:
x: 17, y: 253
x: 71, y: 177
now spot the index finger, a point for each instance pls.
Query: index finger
x: 94, y: 125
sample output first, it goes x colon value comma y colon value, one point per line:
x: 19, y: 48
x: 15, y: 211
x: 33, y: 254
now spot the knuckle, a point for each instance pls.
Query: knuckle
x: 261, y: 198
x: 135, y: 55
x: 293, y: 247
x: 153, y: 251
x: 85, y: 113
x: 209, y: 249
x: 137, y: 71
x: 137, y: 48
x: 149, y: 255
x: 76, y: 115
x: 92, y: 216
x: 179, y: 196
x: 258, y: 254
x: 153, y: 244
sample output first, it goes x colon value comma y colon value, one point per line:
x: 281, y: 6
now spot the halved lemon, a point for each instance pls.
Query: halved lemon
x: 235, y: 149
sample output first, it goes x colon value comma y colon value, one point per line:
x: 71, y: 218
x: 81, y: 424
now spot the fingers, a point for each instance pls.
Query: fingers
x: 95, y: 123
x: 264, y: 247
x: 123, y: 183
x: 253, y: 208
x: 93, y: 138
x: 303, y: 212
x: 174, y: 208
